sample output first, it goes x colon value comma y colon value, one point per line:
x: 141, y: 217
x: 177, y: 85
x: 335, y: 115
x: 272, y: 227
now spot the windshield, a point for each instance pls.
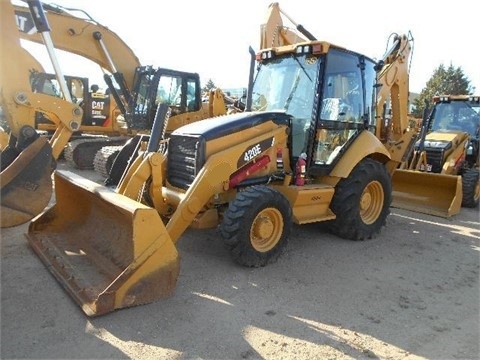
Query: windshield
x: 456, y: 115
x: 286, y: 83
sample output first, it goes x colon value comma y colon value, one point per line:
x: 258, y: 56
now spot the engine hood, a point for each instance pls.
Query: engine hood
x: 444, y: 140
x: 228, y: 124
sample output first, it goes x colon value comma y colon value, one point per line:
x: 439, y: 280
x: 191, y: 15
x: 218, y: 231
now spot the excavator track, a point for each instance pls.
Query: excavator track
x: 80, y: 153
x: 102, y: 163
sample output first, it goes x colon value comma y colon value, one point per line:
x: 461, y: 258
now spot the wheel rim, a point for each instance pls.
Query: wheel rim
x: 266, y: 230
x: 371, y: 202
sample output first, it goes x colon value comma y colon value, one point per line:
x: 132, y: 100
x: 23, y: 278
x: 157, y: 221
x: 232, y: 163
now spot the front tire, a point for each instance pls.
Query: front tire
x: 362, y: 201
x: 256, y: 226
x: 471, y: 188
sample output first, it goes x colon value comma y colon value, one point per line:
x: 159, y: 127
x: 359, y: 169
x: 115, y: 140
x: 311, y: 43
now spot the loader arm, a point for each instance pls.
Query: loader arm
x: 135, y: 260
x: 216, y: 176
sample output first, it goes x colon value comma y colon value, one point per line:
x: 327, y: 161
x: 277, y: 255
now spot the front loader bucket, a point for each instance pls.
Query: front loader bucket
x: 26, y: 184
x: 428, y: 193
x: 107, y: 250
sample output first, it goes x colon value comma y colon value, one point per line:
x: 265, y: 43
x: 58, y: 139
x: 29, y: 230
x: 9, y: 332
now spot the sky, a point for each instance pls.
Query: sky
x: 212, y: 37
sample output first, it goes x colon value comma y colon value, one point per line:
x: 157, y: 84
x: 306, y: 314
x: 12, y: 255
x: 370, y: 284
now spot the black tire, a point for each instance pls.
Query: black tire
x: 256, y: 226
x: 471, y: 188
x: 362, y: 201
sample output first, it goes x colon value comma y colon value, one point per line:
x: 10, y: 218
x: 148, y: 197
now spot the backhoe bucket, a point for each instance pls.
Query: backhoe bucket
x: 107, y: 250
x: 428, y: 193
x: 26, y: 184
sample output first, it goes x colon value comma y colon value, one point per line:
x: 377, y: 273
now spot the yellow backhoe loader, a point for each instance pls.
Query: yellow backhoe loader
x: 448, y: 149
x: 314, y: 145
x: 324, y: 130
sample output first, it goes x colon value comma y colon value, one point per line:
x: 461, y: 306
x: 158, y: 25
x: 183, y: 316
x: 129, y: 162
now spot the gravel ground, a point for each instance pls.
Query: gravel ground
x: 411, y: 293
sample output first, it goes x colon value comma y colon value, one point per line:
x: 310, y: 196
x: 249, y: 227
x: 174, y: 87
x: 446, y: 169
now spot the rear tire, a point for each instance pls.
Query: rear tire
x: 256, y: 226
x: 471, y: 188
x: 362, y: 201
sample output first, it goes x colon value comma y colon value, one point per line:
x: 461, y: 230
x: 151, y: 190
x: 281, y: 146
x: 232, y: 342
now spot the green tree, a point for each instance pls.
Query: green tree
x: 209, y: 86
x: 444, y: 81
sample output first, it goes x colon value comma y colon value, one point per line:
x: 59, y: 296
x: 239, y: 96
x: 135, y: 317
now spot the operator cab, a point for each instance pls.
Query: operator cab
x: 180, y: 90
x: 456, y: 113
x: 328, y: 91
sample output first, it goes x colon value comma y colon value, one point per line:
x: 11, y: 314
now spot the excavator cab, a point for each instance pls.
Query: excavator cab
x: 152, y: 86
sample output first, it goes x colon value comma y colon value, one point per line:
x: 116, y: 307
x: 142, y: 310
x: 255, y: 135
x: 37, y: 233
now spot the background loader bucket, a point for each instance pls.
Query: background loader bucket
x: 26, y: 184
x: 107, y: 251
x: 428, y: 193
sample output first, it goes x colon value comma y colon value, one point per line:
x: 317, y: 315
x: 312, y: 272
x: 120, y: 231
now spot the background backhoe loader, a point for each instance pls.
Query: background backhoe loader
x: 448, y: 149
x: 314, y: 145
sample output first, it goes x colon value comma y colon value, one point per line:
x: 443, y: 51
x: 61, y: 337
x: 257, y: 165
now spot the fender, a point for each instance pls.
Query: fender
x: 366, y: 145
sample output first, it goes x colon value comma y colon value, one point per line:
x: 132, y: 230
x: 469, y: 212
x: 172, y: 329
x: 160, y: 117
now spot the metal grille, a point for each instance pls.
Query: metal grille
x: 435, y: 159
x: 185, y: 159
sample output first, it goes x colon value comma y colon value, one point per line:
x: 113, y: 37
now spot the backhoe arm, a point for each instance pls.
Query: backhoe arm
x: 273, y: 32
x: 393, y: 92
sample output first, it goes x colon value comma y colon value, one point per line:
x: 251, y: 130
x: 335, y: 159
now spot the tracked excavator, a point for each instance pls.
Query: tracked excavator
x: 83, y: 36
x: 111, y: 119
x: 448, y: 148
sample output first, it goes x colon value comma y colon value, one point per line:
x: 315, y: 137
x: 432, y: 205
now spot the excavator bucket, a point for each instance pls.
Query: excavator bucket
x: 26, y: 184
x: 107, y: 250
x: 428, y: 193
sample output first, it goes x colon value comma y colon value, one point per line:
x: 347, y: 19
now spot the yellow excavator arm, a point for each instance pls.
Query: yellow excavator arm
x: 82, y: 36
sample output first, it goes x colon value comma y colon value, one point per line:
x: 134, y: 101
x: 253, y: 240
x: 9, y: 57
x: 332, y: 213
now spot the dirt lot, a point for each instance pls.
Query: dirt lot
x: 412, y: 293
